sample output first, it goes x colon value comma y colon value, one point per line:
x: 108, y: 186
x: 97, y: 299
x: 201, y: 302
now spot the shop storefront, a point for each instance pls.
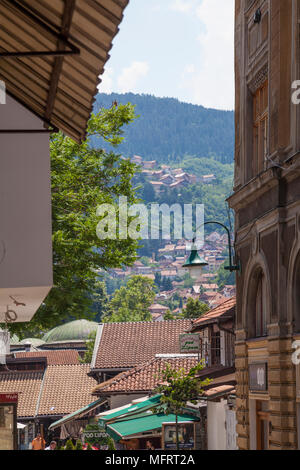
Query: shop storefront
x: 8, y: 421
x: 136, y: 427
x: 73, y: 425
x: 260, y: 421
x: 158, y: 430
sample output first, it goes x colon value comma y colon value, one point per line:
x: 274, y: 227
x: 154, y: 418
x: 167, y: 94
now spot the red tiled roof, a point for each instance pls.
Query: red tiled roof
x: 125, y: 345
x: 66, y: 388
x: 27, y: 384
x: 145, y: 377
x: 226, y: 309
x: 59, y: 390
x: 57, y: 357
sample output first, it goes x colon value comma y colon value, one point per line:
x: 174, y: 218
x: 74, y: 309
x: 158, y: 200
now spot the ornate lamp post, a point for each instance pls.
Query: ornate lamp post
x: 195, y: 263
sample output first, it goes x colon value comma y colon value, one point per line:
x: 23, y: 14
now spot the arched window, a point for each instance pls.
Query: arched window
x: 260, y: 308
x: 257, y: 301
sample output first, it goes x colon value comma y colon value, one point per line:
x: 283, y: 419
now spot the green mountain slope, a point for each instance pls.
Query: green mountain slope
x: 168, y: 129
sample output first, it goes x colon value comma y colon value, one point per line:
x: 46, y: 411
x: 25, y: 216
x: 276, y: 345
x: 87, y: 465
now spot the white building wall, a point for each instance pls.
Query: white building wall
x: 25, y: 212
x: 216, y: 427
x: 231, y: 434
x: 120, y: 400
x: 222, y: 345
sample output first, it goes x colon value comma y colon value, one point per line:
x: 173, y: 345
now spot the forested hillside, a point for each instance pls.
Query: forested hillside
x: 198, y: 140
x: 168, y: 129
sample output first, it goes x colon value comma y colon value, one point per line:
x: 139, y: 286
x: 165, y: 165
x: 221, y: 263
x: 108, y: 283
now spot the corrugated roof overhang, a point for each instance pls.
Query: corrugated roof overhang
x: 52, y: 53
x: 77, y: 414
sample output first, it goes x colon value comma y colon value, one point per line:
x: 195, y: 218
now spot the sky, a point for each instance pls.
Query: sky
x: 175, y: 48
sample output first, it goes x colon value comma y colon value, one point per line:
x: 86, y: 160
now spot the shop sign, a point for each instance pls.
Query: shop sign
x: 95, y: 435
x: 258, y: 377
x: 8, y: 398
x: 189, y: 343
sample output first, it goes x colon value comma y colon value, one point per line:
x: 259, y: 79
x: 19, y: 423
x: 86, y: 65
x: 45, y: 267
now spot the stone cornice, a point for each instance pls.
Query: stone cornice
x: 254, y: 189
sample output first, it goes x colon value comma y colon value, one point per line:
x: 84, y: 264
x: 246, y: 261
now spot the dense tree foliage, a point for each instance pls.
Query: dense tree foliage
x: 88, y: 354
x: 224, y: 277
x: 83, y: 178
x: 100, y: 299
x: 131, y: 302
x: 194, y: 309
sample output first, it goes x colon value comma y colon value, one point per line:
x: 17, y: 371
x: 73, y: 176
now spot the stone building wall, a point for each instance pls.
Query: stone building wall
x: 267, y: 207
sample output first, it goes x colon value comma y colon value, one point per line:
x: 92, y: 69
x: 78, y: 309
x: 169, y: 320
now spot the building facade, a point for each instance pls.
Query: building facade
x: 266, y: 201
x: 217, y: 338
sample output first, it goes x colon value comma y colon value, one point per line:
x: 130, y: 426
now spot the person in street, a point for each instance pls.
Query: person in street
x: 38, y: 443
x: 52, y: 446
x: 149, y: 445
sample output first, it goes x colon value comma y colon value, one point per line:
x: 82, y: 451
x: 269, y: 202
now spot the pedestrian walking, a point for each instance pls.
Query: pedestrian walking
x: 38, y: 442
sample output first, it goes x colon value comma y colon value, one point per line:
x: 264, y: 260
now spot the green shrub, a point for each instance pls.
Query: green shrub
x: 78, y: 445
x: 111, y: 444
x: 69, y: 445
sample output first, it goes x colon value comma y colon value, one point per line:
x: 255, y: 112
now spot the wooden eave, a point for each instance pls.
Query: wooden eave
x: 52, y: 53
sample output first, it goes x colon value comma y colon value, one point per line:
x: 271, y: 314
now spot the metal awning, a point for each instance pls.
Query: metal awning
x: 21, y: 426
x: 131, y: 427
x: 52, y: 53
x: 129, y: 410
x: 78, y: 414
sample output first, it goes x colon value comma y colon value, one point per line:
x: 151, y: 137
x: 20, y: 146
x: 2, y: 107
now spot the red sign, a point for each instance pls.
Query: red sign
x: 8, y: 398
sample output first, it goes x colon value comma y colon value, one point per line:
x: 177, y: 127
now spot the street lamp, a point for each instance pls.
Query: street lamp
x: 195, y: 263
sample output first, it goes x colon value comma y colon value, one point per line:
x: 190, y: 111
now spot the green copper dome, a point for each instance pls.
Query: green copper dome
x: 34, y: 341
x: 78, y: 330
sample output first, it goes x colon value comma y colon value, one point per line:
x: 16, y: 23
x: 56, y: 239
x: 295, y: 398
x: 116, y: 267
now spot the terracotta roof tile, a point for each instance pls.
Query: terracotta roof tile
x: 227, y: 309
x: 125, y: 345
x: 158, y: 307
x: 66, y: 388
x: 145, y: 377
x: 63, y: 356
x: 223, y: 389
x: 27, y: 385
x: 59, y: 390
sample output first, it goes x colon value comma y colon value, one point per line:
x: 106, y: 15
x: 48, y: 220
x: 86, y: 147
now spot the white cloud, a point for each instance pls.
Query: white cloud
x: 184, y: 6
x: 106, y: 85
x: 189, y: 69
x: 131, y: 75
x: 210, y: 81
x: 155, y: 8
